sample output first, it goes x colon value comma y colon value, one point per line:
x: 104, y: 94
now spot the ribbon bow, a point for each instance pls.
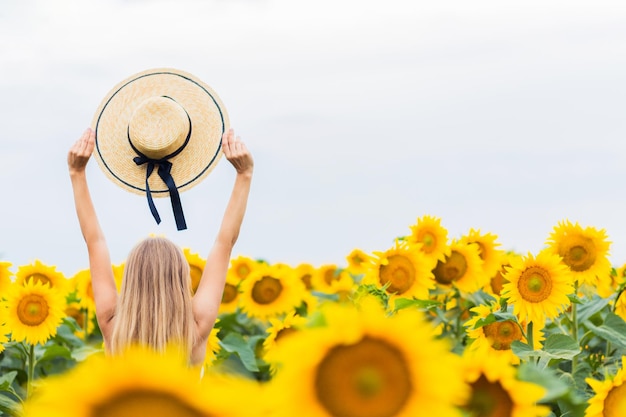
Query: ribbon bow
x: 165, y: 166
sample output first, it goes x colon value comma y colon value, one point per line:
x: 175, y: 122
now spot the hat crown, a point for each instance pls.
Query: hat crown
x: 158, y: 127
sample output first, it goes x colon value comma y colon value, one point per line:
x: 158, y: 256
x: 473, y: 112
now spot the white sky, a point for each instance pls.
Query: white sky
x: 504, y: 116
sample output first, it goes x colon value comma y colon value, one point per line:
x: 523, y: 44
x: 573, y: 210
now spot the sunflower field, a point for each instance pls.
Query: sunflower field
x: 432, y: 326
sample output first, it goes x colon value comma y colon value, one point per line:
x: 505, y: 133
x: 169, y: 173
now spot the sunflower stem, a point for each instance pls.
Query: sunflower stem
x: 31, y: 369
x: 529, y: 335
x: 575, y: 327
x: 86, y: 325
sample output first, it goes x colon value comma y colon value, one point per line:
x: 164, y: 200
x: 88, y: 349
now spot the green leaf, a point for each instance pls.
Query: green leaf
x: 235, y: 343
x: 561, y: 346
x: 83, y: 352
x: 55, y: 352
x: 9, y: 405
x: 613, y: 330
x: 421, y: 304
x: 557, y: 346
x: 555, y: 386
x: 6, y: 380
x: 591, y: 307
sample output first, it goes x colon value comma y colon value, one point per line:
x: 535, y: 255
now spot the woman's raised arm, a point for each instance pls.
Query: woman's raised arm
x: 102, y: 280
x: 208, y: 296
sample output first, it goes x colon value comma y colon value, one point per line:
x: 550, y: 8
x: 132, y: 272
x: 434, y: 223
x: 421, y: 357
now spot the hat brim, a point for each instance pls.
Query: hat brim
x: 209, y: 120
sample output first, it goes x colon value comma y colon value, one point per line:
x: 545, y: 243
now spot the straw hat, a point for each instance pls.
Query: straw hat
x: 163, y: 120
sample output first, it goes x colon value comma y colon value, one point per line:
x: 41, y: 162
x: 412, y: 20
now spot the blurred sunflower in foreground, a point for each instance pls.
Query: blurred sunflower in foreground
x: 365, y: 363
x: 133, y: 385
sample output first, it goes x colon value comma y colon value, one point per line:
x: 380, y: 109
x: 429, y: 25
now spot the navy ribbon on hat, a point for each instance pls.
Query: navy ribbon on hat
x: 165, y: 166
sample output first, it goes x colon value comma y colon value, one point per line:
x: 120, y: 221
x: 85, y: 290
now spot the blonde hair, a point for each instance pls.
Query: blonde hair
x: 154, y: 306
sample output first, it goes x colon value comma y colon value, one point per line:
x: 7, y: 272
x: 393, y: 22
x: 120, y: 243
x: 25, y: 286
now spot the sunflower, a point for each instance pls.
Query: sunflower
x: 5, y: 277
x: 620, y: 305
x: 131, y: 385
x: 324, y: 275
x: 4, y: 331
x: 357, y: 262
x: 364, y: 363
x: 610, y: 395
x: 242, y: 266
x: 496, y: 338
x: 584, y: 251
x: 196, y: 267
x: 34, y: 311
x: 45, y: 274
x: 461, y: 268
x: 230, y: 296
x: 82, y: 317
x: 269, y: 291
x: 487, y: 249
x: 538, y: 287
x: 304, y: 272
x: 494, y: 286
x: 495, y: 390
x: 279, y: 328
x: 430, y: 237
x: 84, y: 290
x: 403, y: 270
x: 212, y: 346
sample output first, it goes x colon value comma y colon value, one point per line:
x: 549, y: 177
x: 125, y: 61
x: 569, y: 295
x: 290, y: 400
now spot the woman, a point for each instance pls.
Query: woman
x: 155, y: 306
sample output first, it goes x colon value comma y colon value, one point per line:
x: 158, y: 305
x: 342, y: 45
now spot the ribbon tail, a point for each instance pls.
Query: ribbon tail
x: 177, y: 206
x: 153, y: 208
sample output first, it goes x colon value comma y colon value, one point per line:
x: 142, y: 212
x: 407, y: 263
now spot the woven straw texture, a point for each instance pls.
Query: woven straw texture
x: 209, y: 121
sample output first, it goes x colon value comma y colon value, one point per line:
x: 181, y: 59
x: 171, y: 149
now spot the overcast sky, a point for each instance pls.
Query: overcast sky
x: 503, y: 116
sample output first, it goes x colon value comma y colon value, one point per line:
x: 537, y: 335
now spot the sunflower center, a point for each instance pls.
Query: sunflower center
x: 399, y: 273
x: 230, y: 293
x: 306, y: 279
x: 615, y: 402
x: 502, y: 334
x: 580, y: 255
x: 497, y: 282
x: 37, y: 277
x: 145, y: 403
x: 368, y: 379
x: 489, y: 399
x: 286, y: 331
x: 330, y: 275
x: 266, y: 290
x: 32, y: 310
x: 451, y: 269
x: 482, y: 250
x: 534, y: 284
x: 429, y: 242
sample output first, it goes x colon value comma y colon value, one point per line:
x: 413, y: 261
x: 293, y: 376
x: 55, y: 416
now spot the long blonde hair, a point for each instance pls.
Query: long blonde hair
x: 154, y: 306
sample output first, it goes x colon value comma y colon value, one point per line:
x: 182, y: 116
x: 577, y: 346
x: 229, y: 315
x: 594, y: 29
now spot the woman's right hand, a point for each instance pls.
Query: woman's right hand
x: 237, y: 153
x: 81, y: 151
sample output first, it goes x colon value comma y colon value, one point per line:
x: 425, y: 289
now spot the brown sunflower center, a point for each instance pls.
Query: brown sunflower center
x: 502, y: 334
x: 285, y: 331
x: 230, y: 293
x: 615, y: 402
x: 399, y: 273
x: 498, y: 281
x: 306, y: 279
x: 77, y: 315
x: 535, y: 284
x: 32, y: 310
x: 196, y: 274
x: 266, y: 290
x: 489, y: 399
x: 482, y: 250
x: 37, y: 277
x: 429, y: 241
x: 145, y: 403
x: 330, y: 275
x: 451, y: 269
x: 580, y: 254
x: 368, y: 379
